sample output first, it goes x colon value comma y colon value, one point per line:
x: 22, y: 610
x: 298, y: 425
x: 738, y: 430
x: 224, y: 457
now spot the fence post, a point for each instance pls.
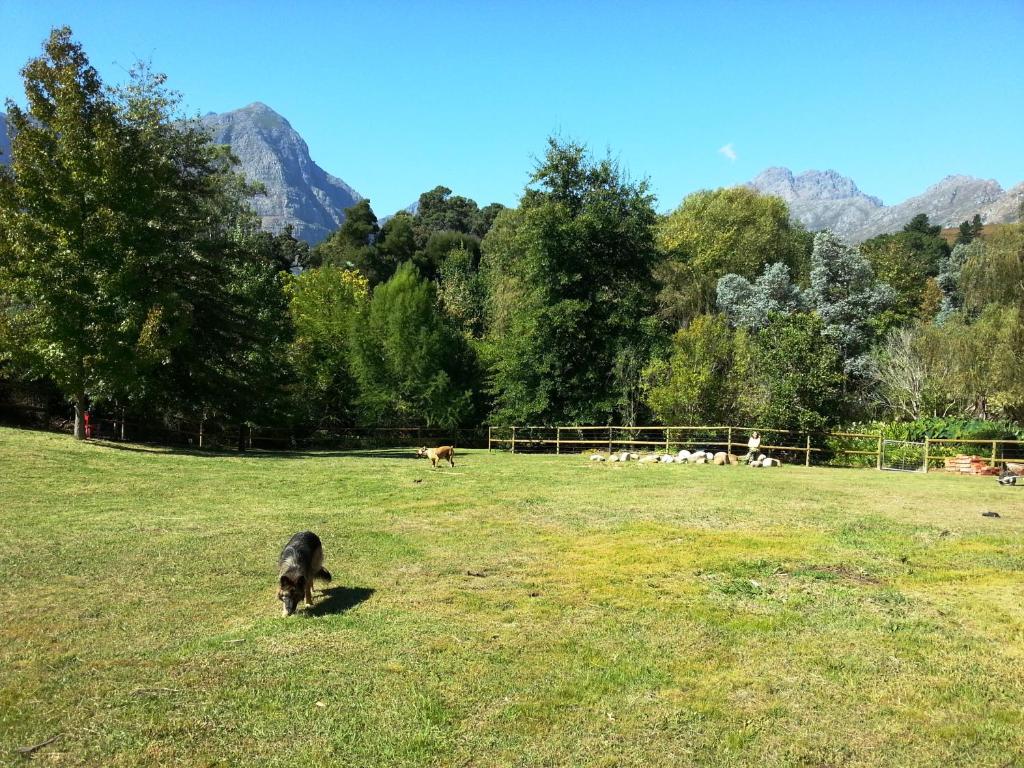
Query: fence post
x: 489, y: 428
x: 992, y: 462
x: 878, y: 455
x: 609, y: 438
x: 926, y: 446
x: 558, y: 440
x: 201, y: 432
x: 728, y: 448
x: 807, y: 456
x: 513, y: 439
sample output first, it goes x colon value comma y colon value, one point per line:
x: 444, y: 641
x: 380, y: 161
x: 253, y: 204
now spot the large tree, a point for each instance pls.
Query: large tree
x: 128, y: 258
x: 719, y: 232
x: 411, y: 366
x: 847, y: 297
x: 698, y: 383
x: 326, y: 305
x: 568, y: 286
x: 795, y: 376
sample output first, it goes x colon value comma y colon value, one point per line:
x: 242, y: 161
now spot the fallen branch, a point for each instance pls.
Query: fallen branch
x: 144, y: 691
x: 26, y: 751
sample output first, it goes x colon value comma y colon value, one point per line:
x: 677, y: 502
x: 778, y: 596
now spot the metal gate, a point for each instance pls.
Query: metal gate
x: 903, y: 456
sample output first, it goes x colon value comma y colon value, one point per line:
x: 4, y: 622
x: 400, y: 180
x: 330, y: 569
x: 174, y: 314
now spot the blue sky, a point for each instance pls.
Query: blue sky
x: 396, y: 98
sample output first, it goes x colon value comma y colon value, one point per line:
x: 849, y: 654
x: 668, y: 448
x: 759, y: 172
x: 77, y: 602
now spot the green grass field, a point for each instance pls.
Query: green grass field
x: 519, y: 610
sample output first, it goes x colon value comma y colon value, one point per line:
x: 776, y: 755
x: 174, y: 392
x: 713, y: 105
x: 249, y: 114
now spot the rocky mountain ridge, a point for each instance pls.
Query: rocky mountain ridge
x: 298, y: 191
x: 829, y: 200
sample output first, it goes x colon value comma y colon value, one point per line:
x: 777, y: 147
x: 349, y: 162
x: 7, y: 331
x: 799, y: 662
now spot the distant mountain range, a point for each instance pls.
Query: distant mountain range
x: 298, y: 191
x: 301, y: 193
x: 828, y: 200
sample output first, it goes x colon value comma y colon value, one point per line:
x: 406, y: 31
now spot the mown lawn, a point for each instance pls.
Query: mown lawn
x: 520, y: 610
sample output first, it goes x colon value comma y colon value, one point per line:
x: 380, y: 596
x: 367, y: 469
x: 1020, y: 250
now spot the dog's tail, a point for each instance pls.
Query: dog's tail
x: 323, y: 574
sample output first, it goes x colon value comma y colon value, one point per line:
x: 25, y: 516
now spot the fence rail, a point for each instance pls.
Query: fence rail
x: 834, y: 448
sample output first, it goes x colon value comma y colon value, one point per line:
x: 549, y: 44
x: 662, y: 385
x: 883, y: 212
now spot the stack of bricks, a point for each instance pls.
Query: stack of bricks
x: 970, y: 465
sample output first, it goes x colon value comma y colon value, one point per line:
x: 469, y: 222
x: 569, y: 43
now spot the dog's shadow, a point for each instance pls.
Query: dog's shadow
x: 338, y: 600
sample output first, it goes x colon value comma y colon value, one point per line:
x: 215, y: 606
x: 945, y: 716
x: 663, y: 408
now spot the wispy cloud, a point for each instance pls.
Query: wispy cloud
x: 728, y: 151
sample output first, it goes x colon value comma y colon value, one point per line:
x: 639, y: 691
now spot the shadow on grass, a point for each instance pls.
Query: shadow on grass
x: 259, y: 453
x: 339, y: 599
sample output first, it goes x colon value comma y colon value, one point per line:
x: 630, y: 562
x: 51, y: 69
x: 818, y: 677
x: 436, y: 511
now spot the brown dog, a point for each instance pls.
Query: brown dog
x: 444, y: 453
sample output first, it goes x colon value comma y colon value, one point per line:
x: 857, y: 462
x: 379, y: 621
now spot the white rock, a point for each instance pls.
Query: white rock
x: 667, y: 459
x: 634, y: 456
x: 684, y: 455
x: 597, y: 457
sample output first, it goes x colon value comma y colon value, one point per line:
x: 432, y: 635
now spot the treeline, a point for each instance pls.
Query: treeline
x: 133, y: 275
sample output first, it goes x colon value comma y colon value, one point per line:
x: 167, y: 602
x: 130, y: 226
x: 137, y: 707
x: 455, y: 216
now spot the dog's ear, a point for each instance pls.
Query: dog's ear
x: 286, y: 583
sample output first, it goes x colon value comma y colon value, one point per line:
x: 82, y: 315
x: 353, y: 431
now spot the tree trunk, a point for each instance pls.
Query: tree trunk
x: 80, y: 408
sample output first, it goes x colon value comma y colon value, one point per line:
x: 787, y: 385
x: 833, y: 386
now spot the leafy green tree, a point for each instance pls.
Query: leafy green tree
x: 796, y: 375
x: 326, y: 306
x: 461, y: 291
x: 411, y: 366
x: 898, y: 263
x: 720, y: 232
x: 698, y: 383
x: 283, y: 250
x: 485, y: 219
x: 993, y: 272
x: 57, y: 255
x: 354, y: 245
x: 969, y: 230
x: 568, y: 283
x: 958, y: 368
x: 110, y: 214
x: 232, y: 361
x: 921, y: 224
x: 441, y: 211
x: 429, y: 259
x: 397, y: 243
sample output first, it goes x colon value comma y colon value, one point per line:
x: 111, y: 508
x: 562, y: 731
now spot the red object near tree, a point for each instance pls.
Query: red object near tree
x: 88, y: 425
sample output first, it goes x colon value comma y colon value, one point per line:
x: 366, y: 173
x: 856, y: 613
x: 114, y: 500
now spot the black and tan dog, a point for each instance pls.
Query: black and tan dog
x: 443, y: 453
x: 301, y: 561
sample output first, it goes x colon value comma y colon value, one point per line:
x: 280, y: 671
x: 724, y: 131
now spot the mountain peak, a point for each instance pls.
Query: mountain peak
x: 298, y: 191
x: 809, y: 185
x: 829, y: 200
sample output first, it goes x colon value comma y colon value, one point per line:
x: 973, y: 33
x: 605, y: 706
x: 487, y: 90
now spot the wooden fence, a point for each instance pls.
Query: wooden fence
x: 836, y: 448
